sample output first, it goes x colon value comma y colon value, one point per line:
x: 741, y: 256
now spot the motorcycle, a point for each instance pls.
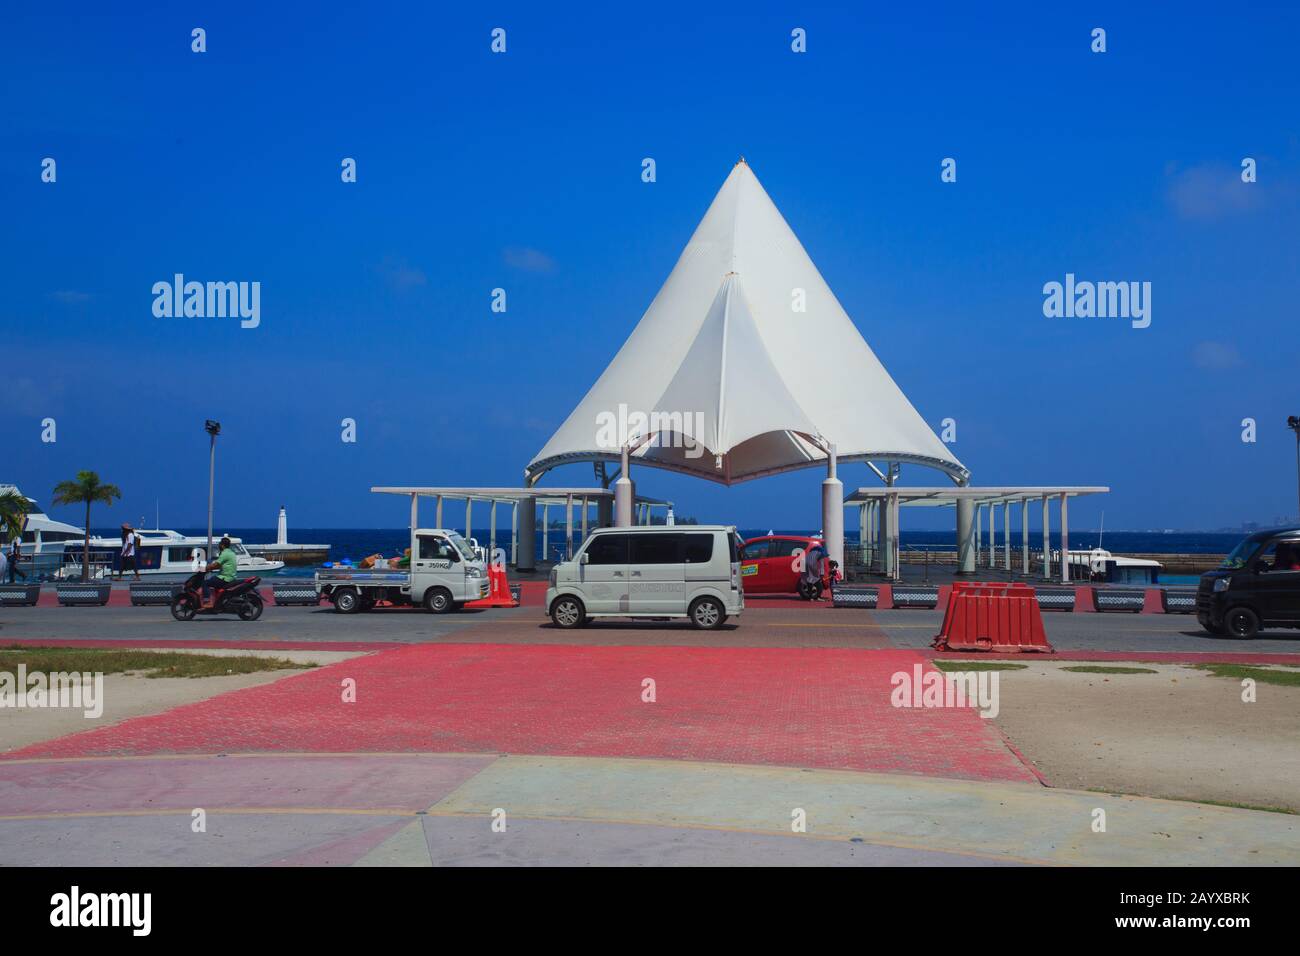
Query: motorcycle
x: 238, y: 597
x: 812, y: 591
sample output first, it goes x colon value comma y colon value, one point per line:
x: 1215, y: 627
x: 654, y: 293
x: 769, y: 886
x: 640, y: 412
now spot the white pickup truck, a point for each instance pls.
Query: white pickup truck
x: 445, y: 572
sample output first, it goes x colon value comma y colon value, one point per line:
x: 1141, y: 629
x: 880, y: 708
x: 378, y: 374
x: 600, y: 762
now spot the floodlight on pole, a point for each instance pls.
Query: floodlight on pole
x: 213, y: 429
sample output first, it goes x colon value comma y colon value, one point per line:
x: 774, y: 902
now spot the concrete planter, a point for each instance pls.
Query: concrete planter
x: 19, y: 595
x: 158, y: 592
x: 1178, y: 601
x: 1119, y: 599
x: 916, y: 595
x: 1054, y: 599
x: 83, y: 595
x: 854, y: 595
x: 303, y: 595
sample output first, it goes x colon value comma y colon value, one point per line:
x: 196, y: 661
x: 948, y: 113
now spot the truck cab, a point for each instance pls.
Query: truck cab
x: 445, y: 572
x: 1257, y: 586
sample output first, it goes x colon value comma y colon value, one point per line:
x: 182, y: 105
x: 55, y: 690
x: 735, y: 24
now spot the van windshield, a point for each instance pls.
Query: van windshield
x: 1238, y: 556
x: 463, y: 547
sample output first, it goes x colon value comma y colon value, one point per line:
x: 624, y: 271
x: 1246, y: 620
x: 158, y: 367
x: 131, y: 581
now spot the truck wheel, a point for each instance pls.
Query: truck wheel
x: 1241, y: 623
x: 346, y: 600
x: 708, y: 614
x: 438, y: 600
x: 567, y: 612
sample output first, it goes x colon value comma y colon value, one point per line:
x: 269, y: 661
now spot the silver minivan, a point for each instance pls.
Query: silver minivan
x: 686, y: 571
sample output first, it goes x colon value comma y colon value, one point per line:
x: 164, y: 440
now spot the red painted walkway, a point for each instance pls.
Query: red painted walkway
x: 802, y: 707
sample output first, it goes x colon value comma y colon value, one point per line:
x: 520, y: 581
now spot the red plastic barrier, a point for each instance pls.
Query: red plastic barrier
x: 993, y: 617
x: 499, y: 596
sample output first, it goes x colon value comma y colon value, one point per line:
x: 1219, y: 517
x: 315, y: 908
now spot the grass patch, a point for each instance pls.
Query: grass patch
x: 119, y: 660
x: 1261, y: 675
x: 950, y: 667
x: 1106, y: 669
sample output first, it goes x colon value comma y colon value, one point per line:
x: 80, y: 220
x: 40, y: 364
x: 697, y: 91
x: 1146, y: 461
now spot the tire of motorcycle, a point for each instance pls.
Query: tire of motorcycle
x: 251, y: 608
x: 183, y: 608
x: 809, y: 592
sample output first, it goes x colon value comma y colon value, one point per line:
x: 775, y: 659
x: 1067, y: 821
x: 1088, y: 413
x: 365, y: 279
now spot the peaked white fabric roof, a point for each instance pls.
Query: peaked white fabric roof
x: 730, y: 379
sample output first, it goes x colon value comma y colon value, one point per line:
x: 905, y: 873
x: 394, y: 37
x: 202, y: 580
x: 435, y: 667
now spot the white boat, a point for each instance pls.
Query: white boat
x: 44, y: 539
x: 164, y: 556
x: 1101, y: 565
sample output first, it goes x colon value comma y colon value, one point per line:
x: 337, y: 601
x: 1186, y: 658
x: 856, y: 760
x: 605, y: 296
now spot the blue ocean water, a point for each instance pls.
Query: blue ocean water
x: 356, y: 543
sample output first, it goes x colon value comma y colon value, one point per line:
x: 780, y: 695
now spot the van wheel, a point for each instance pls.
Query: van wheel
x: 438, y: 600
x: 568, y: 612
x: 346, y: 600
x: 1241, y: 623
x: 707, y: 614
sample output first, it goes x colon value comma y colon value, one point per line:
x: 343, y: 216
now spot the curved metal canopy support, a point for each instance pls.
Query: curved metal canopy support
x: 959, y: 475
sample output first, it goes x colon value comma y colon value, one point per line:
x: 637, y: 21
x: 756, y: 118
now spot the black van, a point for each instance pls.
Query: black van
x: 1256, y: 586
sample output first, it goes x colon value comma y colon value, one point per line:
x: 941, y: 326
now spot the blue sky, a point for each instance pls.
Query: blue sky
x: 522, y: 171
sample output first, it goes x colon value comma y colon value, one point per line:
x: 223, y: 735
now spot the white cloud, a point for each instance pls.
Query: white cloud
x: 70, y: 297
x: 529, y: 260
x: 1212, y: 191
x: 1217, y: 356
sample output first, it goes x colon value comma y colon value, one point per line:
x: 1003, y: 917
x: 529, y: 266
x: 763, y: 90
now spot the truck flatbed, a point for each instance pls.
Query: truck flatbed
x: 331, y: 575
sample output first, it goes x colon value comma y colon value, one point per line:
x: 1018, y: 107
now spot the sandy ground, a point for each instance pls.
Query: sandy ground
x: 127, y: 695
x: 1178, y: 733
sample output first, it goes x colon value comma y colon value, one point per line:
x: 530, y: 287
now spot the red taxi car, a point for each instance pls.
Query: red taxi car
x: 770, y: 565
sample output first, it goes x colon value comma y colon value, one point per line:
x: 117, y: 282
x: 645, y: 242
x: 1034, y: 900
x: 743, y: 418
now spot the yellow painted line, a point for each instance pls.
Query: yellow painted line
x: 406, y: 812
x: 801, y: 624
x: 225, y: 756
x: 235, y: 811
x: 753, y: 831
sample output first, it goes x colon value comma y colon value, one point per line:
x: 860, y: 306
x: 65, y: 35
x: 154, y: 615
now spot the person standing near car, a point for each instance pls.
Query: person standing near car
x: 15, y: 553
x: 226, y: 566
x: 814, y: 570
x: 130, y: 541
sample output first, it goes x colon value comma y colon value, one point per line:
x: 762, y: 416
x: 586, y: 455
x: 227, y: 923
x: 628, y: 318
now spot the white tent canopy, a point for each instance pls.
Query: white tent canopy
x: 726, y: 378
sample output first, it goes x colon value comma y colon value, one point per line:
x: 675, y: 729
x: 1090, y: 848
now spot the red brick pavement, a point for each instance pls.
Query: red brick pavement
x: 810, y: 707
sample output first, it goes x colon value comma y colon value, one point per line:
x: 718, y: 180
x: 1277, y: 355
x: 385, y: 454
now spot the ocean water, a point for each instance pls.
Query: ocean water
x: 357, y: 543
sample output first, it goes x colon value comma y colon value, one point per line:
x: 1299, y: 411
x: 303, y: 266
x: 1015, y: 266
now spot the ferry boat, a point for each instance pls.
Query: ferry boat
x: 163, y: 556
x: 1100, y: 565
x: 43, y: 539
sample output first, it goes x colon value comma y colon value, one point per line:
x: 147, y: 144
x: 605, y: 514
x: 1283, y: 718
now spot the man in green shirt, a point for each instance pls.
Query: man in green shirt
x: 226, y: 566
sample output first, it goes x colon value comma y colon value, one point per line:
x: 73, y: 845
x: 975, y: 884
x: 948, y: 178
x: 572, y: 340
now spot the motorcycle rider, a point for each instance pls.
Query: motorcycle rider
x: 226, y: 567
x: 814, y: 570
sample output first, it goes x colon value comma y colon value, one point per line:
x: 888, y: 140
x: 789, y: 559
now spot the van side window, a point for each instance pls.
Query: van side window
x: 434, y: 549
x: 1282, y: 556
x: 607, y: 549
x: 697, y: 548
x: 657, y: 548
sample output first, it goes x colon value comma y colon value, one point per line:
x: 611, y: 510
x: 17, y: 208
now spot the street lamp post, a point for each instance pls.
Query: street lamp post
x: 1293, y: 423
x: 213, y: 429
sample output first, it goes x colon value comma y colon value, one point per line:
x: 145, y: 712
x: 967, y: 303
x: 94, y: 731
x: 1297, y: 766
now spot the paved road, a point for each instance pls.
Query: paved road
x: 772, y: 625
x: 1102, y: 632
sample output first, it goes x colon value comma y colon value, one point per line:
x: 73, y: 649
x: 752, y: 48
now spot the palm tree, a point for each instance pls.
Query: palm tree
x: 87, y: 488
x: 13, y: 514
